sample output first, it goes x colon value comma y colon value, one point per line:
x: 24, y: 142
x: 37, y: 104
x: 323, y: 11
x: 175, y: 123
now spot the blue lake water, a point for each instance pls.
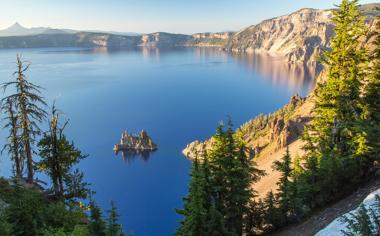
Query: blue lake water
x: 176, y: 95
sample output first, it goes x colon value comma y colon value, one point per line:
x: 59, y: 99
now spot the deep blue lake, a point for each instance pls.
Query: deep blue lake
x: 176, y: 95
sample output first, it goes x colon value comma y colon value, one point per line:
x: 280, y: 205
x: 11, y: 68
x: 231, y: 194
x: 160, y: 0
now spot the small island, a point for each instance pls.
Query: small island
x: 138, y: 143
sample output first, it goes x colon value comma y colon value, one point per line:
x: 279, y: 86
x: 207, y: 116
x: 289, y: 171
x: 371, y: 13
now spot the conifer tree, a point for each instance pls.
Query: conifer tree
x: 58, y: 156
x: 273, y: 215
x: 284, y: 184
x: 14, y: 144
x: 29, y: 105
x: 372, y: 98
x: 113, y: 226
x: 97, y: 225
x: 232, y: 178
x: 195, y: 211
x: 335, y: 141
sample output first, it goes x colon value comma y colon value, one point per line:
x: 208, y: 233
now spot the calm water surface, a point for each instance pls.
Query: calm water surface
x: 176, y: 95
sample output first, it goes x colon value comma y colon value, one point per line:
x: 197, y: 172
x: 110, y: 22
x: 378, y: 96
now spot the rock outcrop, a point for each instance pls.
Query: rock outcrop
x: 131, y: 142
x: 276, y: 130
x: 298, y: 37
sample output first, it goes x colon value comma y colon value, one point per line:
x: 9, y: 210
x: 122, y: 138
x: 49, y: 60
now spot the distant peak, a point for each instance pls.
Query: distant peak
x: 17, y: 26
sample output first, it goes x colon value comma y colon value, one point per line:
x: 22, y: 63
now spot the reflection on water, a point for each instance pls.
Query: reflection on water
x: 130, y: 155
x: 274, y: 68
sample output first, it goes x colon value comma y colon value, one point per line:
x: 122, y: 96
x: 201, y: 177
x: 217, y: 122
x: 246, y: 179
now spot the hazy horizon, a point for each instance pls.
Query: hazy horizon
x: 146, y: 16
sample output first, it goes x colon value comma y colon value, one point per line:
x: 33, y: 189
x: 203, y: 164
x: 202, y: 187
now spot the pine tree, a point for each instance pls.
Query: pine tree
x: 14, y: 144
x: 284, y: 184
x: 58, y: 156
x: 335, y: 139
x: 372, y: 98
x: 29, y: 105
x: 97, y: 225
x: 272, y: 216
x: 256, y: 217
x: 113, y: 226
x: 232, y: 178
x: 195, y: 211
x: 216, y: 224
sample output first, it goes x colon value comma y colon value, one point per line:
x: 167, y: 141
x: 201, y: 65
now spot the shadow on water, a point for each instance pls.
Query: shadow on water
x: 130, y: 156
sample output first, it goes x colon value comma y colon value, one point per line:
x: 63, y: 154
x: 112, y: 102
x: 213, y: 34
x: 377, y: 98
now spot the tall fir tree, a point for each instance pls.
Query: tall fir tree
x: 273, y: 216
x: 335, y: 139
x: 232, y: 177
x: 30, y: 114
x: 284, y: 194
x: 97, y: 225
x: 372, y: 98
x: 113, y: 226
x: 195, y: 210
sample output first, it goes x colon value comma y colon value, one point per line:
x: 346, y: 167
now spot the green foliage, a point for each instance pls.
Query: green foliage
x: 336, y: 145
x: 97, y: 226
x: 261, y: 124
x: 220, y: 191
x: 28, y: 110
x: 371, y: 98
x: 195, y: 211
x: 113, y: 227
x: 232, y: 177
x: 58, y: 156
x: 284, y: 194
x: 14, y: 145
x: 28, y: 212
x: 273, y: 215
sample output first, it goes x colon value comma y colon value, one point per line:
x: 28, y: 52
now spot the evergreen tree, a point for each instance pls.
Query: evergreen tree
x: 298, y: 189
x: 97, y: 225
x: 273, y: 215
x: 256, y: 217
x: 372, y: 98
x: 195, y: 211
x: 13, y: 146
x: 284, y: 195
x: 58, y: 156
x: 29, y: 105
x: 335, y: 141
x: 113, y: 226
x: 216, y: 224
x: 232, y: 177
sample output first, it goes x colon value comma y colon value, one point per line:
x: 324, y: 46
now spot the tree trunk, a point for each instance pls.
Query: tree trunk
x: 29, y: 160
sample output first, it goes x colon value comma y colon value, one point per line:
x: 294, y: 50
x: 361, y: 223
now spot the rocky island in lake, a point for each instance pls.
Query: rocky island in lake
x: 137, y: 143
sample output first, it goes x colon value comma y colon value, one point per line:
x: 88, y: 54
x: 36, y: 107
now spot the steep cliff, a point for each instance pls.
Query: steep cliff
x: 299, y: 37
x: 273, y: 131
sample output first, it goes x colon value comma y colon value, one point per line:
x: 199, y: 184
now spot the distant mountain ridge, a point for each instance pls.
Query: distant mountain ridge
x: 298, y: 37
x: 18, y: 30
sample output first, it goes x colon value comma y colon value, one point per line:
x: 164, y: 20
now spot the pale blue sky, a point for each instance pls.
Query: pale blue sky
x: 150, y: 15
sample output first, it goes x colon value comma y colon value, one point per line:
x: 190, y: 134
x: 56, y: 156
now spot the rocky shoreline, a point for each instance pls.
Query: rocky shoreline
x: 277, y: 130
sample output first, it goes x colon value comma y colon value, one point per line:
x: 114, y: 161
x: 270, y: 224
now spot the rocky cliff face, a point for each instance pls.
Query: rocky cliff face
x: 220, y: 39
x: 276, y: 130
x: 299, y: 37
x: 163, y: 40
